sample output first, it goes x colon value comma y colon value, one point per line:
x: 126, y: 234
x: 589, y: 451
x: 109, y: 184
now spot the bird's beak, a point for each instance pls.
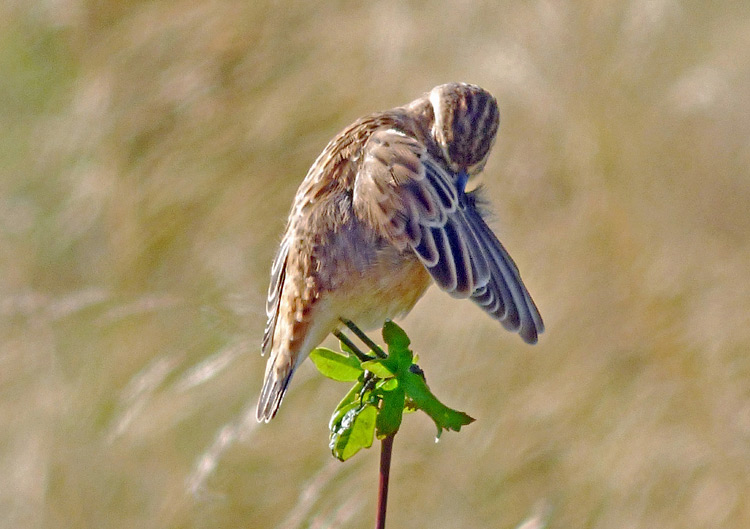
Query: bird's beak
x: 461, y: 179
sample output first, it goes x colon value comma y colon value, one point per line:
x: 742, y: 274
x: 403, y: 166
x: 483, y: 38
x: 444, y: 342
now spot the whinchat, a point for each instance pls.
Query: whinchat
x: 382, y: 212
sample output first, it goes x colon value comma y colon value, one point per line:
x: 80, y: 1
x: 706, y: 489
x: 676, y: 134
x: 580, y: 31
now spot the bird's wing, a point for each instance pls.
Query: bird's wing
x: 412, y: 201
x: 278, y: 274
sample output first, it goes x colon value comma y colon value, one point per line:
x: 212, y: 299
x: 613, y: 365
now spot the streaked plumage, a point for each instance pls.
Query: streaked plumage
x: 383, y: 212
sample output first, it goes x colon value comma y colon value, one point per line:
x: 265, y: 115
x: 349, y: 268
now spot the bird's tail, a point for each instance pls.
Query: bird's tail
x: 274, y: 387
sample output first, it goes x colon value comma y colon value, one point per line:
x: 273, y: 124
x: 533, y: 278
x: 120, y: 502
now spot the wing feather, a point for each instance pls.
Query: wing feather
x: 414, y: 202
x: 278, y: 274
x: 427, y: 249
x: 521, y: 308
x: 444, y: 270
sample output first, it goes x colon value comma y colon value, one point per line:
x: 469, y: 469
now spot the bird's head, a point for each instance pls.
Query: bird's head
x: 466, y: 118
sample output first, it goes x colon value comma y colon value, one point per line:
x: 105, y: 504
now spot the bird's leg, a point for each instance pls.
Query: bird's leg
x: 375, y: 348
x: 363, y: 357
x: 368, y: 378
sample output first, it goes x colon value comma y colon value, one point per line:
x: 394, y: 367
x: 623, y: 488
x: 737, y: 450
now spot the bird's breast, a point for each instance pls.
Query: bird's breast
x: 388, y: 287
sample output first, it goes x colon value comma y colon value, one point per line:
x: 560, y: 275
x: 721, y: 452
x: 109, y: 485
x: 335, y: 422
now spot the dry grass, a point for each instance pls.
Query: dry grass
x: 149, y: 155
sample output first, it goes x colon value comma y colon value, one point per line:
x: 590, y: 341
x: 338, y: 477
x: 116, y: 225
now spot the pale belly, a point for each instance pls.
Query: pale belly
x: 388, y: 290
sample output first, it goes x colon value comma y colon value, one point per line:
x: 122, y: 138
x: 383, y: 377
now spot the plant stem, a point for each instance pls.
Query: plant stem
x: 366, y: 339
x: 386, y: 448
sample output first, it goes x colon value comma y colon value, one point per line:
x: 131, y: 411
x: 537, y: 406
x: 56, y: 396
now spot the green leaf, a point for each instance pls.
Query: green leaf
x: 354, y: 431
x: 345, y: 405
x: 391, y: 412
x: 377, y: 368
x: 395, y: 336
x: 445, y: 418
x: 335, y: 365
x: 399, y: 354
x: 375, y: 405
x: 387, y: 385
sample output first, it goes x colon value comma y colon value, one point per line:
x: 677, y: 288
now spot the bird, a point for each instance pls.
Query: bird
x: 382, y: 213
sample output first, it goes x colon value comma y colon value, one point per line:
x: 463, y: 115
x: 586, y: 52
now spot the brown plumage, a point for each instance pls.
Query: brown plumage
x: 381, y: 213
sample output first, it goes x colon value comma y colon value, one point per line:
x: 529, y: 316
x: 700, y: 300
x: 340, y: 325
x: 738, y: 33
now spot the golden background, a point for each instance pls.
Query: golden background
x: 148, y: 157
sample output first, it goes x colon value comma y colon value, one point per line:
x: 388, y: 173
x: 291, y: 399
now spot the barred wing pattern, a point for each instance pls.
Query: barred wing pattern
x: 414, y: 202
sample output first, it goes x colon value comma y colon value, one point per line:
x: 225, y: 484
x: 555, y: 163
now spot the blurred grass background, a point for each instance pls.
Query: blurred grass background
x: 149, y: 155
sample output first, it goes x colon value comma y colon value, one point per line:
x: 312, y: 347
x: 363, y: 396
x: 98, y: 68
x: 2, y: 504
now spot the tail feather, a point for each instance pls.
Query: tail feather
x: 274, y: 388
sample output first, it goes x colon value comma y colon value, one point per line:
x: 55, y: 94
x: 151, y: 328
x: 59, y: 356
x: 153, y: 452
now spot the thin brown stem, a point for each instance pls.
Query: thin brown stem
x: 386, y: 448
